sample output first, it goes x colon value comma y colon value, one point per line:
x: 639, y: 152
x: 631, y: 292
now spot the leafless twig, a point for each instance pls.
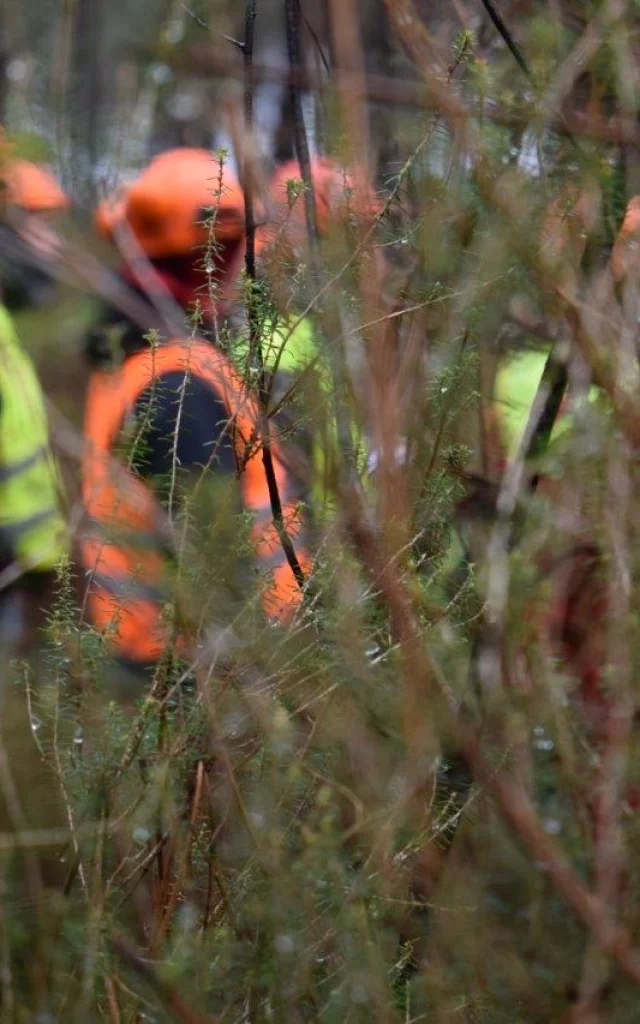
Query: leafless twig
x: 255, y: 347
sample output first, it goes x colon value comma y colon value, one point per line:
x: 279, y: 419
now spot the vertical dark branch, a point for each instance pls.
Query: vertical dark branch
x: 292, y: 9
x: 86, y: 92
x: 249, y: 216
x: 499, y: 24
x: 487, y: 640
x: 252, y: 301
x: 554, y: 381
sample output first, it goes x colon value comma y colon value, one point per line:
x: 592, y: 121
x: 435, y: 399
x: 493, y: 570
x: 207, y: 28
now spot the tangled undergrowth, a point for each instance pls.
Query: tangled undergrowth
x: 418, y: 800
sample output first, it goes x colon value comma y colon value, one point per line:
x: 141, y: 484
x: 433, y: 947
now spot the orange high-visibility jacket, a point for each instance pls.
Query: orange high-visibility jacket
x: 121, y: 544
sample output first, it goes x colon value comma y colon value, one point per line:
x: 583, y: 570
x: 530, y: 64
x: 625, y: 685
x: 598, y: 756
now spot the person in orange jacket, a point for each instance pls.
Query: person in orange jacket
x: 185, y: 215
x: 194, y: 240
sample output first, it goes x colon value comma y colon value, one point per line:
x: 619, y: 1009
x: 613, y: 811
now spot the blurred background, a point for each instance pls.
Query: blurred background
x: 107, y: 85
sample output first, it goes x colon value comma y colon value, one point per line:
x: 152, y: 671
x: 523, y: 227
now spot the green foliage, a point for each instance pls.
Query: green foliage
x: 31, y: 146
x: 415, y: 800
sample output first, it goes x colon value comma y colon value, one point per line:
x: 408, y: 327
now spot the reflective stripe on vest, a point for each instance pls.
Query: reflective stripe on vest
x: 120, y: 507
x: 31, y: 525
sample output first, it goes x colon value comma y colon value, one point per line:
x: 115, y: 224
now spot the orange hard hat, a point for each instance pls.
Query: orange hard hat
x: 625, y: 255
x: 26, y: 184
x: 31, y: 187
x: 335, y: 189
x: 167, y: 206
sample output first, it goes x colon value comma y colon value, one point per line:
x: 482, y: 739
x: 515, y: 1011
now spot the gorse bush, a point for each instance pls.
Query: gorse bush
x: 416, y: 800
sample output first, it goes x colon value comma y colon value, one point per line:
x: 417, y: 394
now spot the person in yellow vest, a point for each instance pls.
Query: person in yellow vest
x: 33, y: 533
x: 577, y: 614
x: 181, y: 412
x: 291, y: 351
x: 34, y: 541
x: 566, y: 226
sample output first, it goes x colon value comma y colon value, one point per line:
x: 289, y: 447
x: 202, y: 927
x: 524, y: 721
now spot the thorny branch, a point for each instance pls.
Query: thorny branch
x: 498, y: 21
x: 203, y: 24
x: 386, y: 91
x: 425, y: 688
x: 172, y: 1000
x: 255, y: 349
x: 415, y: 36
x: 510, y: 796
x: 292, y: 10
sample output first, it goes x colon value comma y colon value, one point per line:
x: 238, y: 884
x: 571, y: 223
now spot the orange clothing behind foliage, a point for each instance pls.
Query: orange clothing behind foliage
x: 337, y: 193
x: 184, y: 204
x: 122, y: 549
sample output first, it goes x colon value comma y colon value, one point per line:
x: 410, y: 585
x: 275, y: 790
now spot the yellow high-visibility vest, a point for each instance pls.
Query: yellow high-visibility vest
x: 291, y: 352
x: 32, y: 528
x: 516, y: 386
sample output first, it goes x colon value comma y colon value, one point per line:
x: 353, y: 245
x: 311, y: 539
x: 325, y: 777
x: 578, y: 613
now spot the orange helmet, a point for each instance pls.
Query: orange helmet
x: 335, y: 190
x: 625, y: 255
x: 25, y: 184
x: 31, y: 187
x: 166, y: 207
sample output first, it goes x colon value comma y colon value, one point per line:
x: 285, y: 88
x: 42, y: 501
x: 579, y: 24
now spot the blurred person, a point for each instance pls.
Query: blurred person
x: 177, y: 407
x: 34, y: 541
x: 299, y: 364
x: 284, y: 246
x: 574, y: 561
x: 32, y: 203
x: 567, y: 224
x: 33, y: 535
x: 194, y: 240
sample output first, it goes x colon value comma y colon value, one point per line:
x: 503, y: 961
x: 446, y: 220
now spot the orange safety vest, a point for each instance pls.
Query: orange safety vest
x: 122, y: 551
